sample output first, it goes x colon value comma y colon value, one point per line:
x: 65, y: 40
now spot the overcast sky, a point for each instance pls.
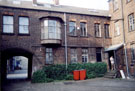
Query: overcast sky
x: 94, y: 4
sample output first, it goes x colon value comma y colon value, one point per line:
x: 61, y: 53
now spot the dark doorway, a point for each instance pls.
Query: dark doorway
x: 98, y: 55
x: 111, y: 53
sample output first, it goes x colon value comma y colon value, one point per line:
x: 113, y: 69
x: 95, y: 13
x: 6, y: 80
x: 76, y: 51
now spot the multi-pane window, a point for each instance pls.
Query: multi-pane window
x: 92, y: 54
x: 8, y: 24
x: 133, y: 52
x: 115, y: 4
x: 83, y: 28
x: 23, y: 25
x: 51, y: 29
x: 97, y: 30
x: 73, y: 55
x: 84, y: 55
x: 49, y: 56
x: 131, y: 22
x: 106, y: 29
x: 117, y: 29
x: 72, y: 28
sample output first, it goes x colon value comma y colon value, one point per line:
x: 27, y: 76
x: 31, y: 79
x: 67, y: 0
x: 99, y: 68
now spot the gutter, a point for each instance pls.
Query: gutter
x: 65, y: 39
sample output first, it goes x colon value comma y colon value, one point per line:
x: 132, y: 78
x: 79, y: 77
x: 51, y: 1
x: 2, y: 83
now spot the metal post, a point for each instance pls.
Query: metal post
x: 65, y: 39
x: 115, y: 60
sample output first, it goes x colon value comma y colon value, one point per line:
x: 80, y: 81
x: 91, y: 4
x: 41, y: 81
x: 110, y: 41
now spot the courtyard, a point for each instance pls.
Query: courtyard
x: 97, y: 84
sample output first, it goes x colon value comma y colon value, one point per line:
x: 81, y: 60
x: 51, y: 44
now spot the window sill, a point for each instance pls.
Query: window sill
x: 8, y: 34
x: 84, y: 36
x: 73, y: 35
x: 98, y: 37
x: 131, y: 31
x: 21, y: 34
x: 108, y: 37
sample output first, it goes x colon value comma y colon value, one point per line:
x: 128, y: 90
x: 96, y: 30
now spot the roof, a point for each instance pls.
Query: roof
x: 55, y: 8
x: 114, y: 47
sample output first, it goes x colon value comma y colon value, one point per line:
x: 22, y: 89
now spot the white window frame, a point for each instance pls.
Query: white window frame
x: 74, y: 31
x: 115, y: 5
x: 49, y: 56
x: 23, y: 27
x: 85, y: 55
x: 8, y: 24
x: 73, y: 55
x: 83, y: 29
x: 117, y: 29
x: 97, y: 28
x: 131, y: 22
x: 51, y: 31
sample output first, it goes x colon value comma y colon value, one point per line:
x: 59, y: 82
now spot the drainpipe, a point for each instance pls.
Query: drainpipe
x: 124, y: 40
x: 65, y: 39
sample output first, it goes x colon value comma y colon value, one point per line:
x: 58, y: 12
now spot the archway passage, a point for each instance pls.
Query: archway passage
x: 9, y: 55
x: 17, y: 67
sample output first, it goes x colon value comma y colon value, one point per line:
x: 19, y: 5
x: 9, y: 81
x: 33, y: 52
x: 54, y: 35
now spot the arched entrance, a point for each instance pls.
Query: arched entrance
x: 8, y: 54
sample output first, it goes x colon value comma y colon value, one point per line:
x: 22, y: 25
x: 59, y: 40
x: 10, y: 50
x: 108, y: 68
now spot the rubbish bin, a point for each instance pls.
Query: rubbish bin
x: 82, y: 74
x: 76, y: 74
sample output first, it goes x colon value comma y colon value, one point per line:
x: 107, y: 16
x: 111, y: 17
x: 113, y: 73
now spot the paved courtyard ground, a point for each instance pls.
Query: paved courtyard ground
x: 98, y: 84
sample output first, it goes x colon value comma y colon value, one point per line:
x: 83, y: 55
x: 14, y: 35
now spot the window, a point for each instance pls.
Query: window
x: 84, y: 55
x: 117, y: 30
x: 72, y: 28
x: 128, y: 1
x: 115, y: 5
x: 73, y: 55
x: 97, y: 30
x: 106, y: 28
x: 83, y: 29
x: 133, y: 52
x: 23, y: 25
x: 131, y: 22
x: 8, y: 24
x: 98, y: 54
x: 49, y: 56
x: 51, y: 29
x: 92, y: 54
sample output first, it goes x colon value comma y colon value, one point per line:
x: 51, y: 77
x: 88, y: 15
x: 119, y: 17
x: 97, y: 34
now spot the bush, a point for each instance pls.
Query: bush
x: 39, y: 77
x: 92, y: 75
x: 69, y: 77
x: 58, y: 72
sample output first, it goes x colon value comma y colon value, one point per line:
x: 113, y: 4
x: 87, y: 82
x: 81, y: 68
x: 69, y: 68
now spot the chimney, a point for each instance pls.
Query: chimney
x: 56, y: 2
x: 34, y: 1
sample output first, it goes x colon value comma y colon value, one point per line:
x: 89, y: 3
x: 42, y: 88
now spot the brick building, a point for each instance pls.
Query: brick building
x: 122, y: 28
x: 49, y: 34
x: 37, y: 31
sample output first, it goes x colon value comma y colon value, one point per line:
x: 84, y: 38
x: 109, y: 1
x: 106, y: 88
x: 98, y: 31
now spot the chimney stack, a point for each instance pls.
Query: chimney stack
x: 56, y: 2
x: 34, y: 1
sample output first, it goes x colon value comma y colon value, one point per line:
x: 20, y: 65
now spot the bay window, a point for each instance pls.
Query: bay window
x: 51, y: 29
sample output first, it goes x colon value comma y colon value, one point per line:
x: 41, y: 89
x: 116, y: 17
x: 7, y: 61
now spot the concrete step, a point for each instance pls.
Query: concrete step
x: 111, y: 74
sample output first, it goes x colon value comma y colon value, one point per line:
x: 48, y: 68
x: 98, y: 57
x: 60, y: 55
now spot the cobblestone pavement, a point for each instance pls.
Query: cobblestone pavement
x: 98, y: 84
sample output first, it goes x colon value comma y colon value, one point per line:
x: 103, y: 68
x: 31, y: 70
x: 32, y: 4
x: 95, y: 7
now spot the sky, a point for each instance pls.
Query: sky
x: 93, y: 4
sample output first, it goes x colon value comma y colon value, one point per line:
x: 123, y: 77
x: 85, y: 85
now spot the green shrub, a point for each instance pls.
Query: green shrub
x: 69, y: 77
x: 92, y: 75
x: 39, y: 77
x: 59, y: 72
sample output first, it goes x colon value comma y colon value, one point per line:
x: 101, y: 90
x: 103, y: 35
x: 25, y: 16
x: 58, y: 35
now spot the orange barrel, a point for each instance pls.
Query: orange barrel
x: 76, y: 74
x: 82, y: 74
